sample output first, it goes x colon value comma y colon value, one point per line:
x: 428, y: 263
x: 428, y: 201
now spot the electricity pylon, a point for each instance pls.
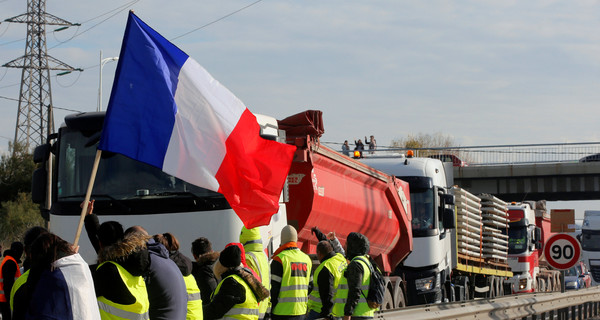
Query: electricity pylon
x: 35, y: 117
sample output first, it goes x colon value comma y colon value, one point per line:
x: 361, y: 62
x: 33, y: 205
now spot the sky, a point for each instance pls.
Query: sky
x: 482, y: 72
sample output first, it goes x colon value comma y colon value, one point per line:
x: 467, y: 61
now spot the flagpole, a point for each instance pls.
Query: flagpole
x: 88, y: 194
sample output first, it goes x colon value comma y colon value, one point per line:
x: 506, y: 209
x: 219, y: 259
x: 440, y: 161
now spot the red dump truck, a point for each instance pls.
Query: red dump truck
x: 324, y: 189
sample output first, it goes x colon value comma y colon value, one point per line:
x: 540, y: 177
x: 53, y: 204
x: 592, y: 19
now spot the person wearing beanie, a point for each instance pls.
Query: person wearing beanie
x: 290, y: 277
x: 325, y: 280
x: 202, y: 268
x: 258, y: 261
x: 357, y: 275
x: 238, y: 293
x: 9, y: 272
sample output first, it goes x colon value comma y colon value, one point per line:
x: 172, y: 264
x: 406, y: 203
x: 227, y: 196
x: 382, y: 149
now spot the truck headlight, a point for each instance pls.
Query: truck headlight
x: 429, y: 283
x: 571, y: 284
x: 522, y: 284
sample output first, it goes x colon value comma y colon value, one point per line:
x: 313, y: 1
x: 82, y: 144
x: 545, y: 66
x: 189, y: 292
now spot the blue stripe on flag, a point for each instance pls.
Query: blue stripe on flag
x: 141, y: 110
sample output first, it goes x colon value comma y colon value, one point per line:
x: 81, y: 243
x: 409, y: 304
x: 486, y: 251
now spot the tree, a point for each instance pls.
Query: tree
x: 16, y: 169
x: 17, y: 211
x: 16, y: 216
x: 436, y: 140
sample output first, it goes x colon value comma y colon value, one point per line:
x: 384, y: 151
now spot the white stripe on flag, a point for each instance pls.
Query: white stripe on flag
x: 206, y: 114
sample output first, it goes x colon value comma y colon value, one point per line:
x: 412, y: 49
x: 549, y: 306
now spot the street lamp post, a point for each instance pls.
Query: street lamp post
x: 102, y: 63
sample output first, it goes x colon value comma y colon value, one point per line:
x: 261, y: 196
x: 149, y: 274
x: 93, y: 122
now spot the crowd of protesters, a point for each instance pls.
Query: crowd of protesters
x: 142, y: 276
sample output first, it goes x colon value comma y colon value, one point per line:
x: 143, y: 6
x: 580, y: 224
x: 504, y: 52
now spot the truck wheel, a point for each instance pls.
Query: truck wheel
x: 388, y: 301
x: 492, y: 285
x: 399, y: 300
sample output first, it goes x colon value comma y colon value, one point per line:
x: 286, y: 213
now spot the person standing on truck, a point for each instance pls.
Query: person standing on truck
x: 9, y: 272
x: 346, y: 148
x: 325, y: 280
x: 202, y: 269
x: 238, y: 292
x: 194, y: 301
x: 290, y: 277
x: 350, y: 296
x: 372, y: 144
x: 359, y: 145
x: 257, y: 260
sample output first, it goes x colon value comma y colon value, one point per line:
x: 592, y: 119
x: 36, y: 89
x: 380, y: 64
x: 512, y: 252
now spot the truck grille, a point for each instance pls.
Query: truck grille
x: 595, y: 271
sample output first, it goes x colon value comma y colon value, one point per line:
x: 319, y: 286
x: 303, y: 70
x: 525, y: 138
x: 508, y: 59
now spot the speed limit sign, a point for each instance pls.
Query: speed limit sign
x: 562, y: 251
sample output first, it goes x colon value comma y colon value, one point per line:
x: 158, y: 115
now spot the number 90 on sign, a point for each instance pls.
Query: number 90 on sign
x: 562, y: 251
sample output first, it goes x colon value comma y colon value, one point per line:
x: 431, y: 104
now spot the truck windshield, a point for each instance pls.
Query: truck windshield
x: 422, y: 205
x: 118, y: 177
x: 517, y: 240
x: 590, y: 240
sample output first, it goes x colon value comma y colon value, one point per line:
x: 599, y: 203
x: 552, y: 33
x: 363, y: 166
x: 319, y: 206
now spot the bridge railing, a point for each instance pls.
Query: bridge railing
x: 501, y: 154
x: 581, y: 304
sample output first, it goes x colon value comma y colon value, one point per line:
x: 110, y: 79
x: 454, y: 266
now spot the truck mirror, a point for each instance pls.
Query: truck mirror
x: 538, y: 234
x: 38, y: 186
x: 449, y: 222
x: 447, y: 198
x: 41, y: 153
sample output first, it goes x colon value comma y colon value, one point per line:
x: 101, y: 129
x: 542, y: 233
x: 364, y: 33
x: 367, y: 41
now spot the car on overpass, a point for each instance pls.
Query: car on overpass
x: 456, y: 161
x: 591, y: 158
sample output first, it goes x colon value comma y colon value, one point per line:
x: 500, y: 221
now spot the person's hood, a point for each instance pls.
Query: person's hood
x: 251, y: 239
x: 183, y: 263
x: 131, y: 253
x: 157, y: 249
x: 208, y: 258
x: 357, y: 245
x: 260, y: 292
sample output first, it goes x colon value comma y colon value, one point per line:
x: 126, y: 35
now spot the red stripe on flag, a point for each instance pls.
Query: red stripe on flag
x: 253, y: 172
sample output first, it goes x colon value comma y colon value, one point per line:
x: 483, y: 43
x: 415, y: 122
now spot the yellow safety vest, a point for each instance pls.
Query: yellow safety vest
x: 245, y: 310
x: 194, y: 302
x: 18, y: 283
x: 341, y: 294
x: 336, y: 266
x: 293, y: 295
x: 259, y: 262
x: 2, y: 276
x: 137, y: 287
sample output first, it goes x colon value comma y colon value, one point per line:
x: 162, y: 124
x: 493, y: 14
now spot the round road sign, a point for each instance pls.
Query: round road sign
x: 562, y: 251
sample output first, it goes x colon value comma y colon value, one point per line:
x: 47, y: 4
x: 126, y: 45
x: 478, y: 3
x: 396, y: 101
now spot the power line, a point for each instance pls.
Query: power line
x: 53, y: 107
x: 215, y: 21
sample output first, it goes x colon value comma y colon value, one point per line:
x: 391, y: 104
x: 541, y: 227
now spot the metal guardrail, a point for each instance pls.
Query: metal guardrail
x: 500, y: 154
x: 581, y: 304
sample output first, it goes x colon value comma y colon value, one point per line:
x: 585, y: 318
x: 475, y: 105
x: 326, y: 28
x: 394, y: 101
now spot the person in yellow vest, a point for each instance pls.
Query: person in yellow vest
x: 325, y: 280
x: 30, y: 235
x: 257, y: 260
x: 290, y: 277
x: 118, y: 279
x: 194, y: 301
x: 9, y: 272
x: 350, y: 296
x: 238, y: 293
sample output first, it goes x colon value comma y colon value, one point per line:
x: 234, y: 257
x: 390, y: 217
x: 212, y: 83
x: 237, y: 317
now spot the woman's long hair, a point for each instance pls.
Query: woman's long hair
x: 46, y: 249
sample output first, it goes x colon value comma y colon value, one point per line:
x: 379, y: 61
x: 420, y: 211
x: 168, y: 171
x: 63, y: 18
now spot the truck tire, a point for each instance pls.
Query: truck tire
x: 388, y: 301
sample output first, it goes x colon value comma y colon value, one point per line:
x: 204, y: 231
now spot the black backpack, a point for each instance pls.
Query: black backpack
x: 376, y: 285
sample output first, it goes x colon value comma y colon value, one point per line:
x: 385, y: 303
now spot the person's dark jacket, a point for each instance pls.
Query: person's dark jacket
x: 92, y: 224
x: 232, y: 293
x: 356, y: 245
x: 202, y: 270
x: 131, y: 254
x: 183, y: 263
x: 166, y: 287
x: 326, y: 288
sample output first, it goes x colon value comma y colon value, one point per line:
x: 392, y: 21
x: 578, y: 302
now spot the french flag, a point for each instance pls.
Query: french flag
x: 167, y: 111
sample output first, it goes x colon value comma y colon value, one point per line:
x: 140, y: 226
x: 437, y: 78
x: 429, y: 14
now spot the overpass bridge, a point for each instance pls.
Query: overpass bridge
x: 560, y: 171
